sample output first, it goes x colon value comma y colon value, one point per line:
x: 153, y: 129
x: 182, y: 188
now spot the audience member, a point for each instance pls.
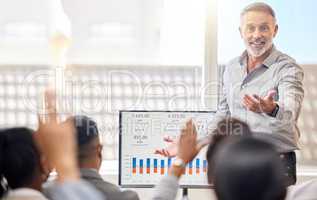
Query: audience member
x: 90, y: 158
x: 247, y: 168
x: 21, y: 168
x: 58, y: 142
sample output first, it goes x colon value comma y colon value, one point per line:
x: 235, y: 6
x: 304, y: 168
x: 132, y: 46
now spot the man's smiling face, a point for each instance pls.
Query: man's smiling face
x: 258, y: 29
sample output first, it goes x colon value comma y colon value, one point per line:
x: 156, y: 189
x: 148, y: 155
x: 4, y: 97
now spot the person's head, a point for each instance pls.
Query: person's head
x: 248, y: 168
x: 258, y: 27
x: 20, y: 160
x: 227, y: 127
x: 89, y: 147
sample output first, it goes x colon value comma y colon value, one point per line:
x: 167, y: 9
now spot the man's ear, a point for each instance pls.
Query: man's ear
x: 99, y: 149
x: 44, y: 167
x: 275, y: 30
x: 240, y: 32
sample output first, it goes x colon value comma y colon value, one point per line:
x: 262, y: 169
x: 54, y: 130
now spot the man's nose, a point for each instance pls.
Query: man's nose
x: 257, y: 33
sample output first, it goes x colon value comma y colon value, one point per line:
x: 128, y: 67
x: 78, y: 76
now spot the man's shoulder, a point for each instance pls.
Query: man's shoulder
x: 89, y: 173
x: 25, y: 193
x: 107, y: 188
x: 94, y: 178
x: 233, y: 62
x: 284, y: 60
x: 305, y: 190
x: 231, y: 65
x: 113, y: 191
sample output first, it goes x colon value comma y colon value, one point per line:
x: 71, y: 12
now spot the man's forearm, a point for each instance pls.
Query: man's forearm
x: 167, y: 188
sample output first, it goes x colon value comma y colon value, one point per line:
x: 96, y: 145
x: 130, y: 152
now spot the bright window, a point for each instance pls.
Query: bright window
x: 107, y: 32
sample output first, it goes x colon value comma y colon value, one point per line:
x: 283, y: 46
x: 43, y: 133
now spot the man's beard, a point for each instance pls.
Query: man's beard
x: 255, y: 51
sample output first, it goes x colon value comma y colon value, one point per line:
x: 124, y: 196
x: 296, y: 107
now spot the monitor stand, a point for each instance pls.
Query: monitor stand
x: 185, y: 194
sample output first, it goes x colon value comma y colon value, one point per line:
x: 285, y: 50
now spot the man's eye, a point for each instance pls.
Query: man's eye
x: 250, y: 29
x: 264, y: 28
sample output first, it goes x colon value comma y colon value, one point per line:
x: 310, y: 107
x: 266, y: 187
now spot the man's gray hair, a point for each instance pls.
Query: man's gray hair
x: 259, y: 6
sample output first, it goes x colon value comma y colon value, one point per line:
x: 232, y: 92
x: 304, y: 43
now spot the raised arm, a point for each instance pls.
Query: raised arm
x: 57, y: 142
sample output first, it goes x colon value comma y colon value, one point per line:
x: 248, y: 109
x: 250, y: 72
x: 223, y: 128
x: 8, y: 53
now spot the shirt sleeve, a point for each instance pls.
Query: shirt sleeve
x: 304, y: 191
x: 79, y: 190
x: 166, y: 189
x: 290, y: 92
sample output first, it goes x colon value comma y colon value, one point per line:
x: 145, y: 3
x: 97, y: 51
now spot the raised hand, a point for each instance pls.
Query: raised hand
x: 57, y: 140
x: 187, y: 145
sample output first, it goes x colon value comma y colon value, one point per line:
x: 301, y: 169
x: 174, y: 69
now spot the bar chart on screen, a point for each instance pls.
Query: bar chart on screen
x: 145, y: 170
x: 142, y: 166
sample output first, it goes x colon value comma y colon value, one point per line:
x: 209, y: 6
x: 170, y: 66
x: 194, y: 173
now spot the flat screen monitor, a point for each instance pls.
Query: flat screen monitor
x: 141, y: 132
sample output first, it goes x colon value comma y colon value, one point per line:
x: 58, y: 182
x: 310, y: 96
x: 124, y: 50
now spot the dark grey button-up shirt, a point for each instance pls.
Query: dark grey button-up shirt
x: 278, y: 72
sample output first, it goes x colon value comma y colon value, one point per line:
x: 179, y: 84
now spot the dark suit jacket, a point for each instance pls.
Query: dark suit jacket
x: 111, y: 191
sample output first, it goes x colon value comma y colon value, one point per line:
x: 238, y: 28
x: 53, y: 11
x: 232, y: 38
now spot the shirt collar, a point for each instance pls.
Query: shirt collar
x: 270, y: 60
x: 90, y: 173
x: 89, y: 170
x: 25, y: 192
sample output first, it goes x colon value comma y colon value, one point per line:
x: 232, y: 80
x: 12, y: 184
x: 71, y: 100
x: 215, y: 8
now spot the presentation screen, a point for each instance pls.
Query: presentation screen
x: 142, y: 132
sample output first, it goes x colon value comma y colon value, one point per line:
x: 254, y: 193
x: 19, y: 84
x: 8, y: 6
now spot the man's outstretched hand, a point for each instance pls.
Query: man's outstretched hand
x: 259, y: 104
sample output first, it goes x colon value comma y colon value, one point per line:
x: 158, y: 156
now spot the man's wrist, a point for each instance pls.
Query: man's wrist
x: 67, y: 170
x: 176, y: 171
x: 274, y: 111
x: 178, y: 167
